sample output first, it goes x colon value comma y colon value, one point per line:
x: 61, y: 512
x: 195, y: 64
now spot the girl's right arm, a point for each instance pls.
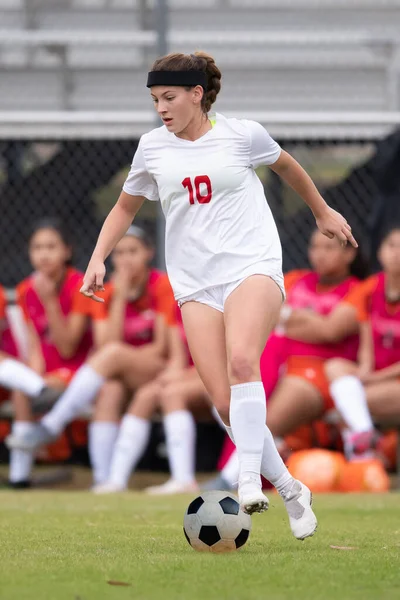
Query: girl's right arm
x: 114, y: 228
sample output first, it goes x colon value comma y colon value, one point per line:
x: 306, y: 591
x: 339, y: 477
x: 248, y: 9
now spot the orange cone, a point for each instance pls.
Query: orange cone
x: 318, y: 469
x: 364, y: 476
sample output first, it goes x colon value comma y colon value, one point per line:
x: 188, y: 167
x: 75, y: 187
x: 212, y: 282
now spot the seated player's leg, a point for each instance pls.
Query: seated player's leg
x: 21, y: 461
x: 383, y: 401
x: 134, y: 366
x: 176, y: 399
x: 295, y: 402
x: 247, y: 328
x: 14, y: 375
x: 350, y: 400
x: 301, y: 396
x: 227, y: 478
x: 133, y: 437
x: 103, y: 430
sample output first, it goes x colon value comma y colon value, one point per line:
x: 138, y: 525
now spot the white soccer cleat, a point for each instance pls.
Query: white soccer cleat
x: 251, y: 497
x: 108, y: 488
x: 302, y: 519
x: 172, y: 487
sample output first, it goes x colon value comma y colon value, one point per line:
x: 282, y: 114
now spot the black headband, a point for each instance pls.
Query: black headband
x: 181, y: 78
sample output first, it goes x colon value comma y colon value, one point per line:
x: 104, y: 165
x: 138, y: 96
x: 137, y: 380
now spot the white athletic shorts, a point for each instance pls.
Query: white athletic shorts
x: 216, y: 296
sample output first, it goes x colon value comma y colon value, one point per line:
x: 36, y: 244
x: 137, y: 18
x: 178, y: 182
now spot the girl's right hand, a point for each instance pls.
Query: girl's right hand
x: 93, y: 279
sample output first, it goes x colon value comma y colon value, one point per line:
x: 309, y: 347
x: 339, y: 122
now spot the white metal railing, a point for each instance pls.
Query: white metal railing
x: 131, y: 124
x: 148, y: 38
x: 134, y: 123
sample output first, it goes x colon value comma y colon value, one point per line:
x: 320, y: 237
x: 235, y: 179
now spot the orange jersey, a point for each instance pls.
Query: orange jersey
x: 369, y: 300
x: 140, y: 314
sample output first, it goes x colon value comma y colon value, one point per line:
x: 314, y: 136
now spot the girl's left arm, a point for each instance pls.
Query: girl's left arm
x: 329, y: 221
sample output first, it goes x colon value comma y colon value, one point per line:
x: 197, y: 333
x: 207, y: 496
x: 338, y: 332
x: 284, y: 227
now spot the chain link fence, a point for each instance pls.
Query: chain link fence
x: 80, y: 181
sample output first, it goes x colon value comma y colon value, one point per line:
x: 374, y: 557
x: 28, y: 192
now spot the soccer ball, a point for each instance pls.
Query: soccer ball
x: 214, y: 522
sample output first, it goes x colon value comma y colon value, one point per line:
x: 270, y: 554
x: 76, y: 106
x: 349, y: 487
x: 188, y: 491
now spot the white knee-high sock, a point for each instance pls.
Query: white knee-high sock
x: 102, y: 438
x: 272, y: 466
x: 180, y: 436
x: 79, y: 395
x: 217, y: 417
x: 247, y: 417
x: 21, y: 461
x: 131, y: 443
x: 349, y: 396
x: 230, y: 472
x: 17, y: 376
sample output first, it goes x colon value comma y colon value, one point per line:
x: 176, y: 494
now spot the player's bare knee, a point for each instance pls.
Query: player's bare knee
x: 242, y: 368
x: 106, y: 360
x: 339, y: 367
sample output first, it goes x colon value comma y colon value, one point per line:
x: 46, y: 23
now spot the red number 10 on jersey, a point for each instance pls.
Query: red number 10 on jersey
x: 201, y: 198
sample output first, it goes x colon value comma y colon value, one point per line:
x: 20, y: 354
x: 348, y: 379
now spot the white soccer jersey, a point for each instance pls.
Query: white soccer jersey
x: 219, y: 226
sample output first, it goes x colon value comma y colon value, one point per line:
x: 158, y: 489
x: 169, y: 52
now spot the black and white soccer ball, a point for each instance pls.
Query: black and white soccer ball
x: 214, y: 522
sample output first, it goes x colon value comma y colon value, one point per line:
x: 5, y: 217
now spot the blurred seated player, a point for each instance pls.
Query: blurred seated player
x: 132, y: 333
x: 174, y: 393
x: 14, y: 375
x: 316, y: 327
x: 371, y: 386
x: 58, y: 330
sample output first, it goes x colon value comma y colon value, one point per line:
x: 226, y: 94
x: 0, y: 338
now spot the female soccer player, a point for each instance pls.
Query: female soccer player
x: 372, y: 385
x: 223, y: 254
x: 59, y: 336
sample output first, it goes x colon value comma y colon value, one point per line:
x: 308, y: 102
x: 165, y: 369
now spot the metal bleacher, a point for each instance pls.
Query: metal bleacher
x: 309, y: 57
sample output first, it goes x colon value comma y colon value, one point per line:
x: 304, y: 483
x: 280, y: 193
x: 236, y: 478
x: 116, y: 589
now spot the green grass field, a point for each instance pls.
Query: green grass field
x: 69, y: 545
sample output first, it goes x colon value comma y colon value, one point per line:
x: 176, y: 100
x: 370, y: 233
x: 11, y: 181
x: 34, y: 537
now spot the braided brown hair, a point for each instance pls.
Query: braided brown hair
x: 199, y: 61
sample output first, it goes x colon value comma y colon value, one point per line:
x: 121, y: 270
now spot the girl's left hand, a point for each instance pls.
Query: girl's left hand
x: 333, y: 224
x: 44, y: 286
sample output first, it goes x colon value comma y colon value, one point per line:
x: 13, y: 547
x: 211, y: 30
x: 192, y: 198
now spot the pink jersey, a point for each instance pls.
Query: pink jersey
x: 140, y: 314
x: 71, y: 301
x: 370, y: 301
x: 7, y: 343
x: 272, y: 360
x: 307, y: 293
